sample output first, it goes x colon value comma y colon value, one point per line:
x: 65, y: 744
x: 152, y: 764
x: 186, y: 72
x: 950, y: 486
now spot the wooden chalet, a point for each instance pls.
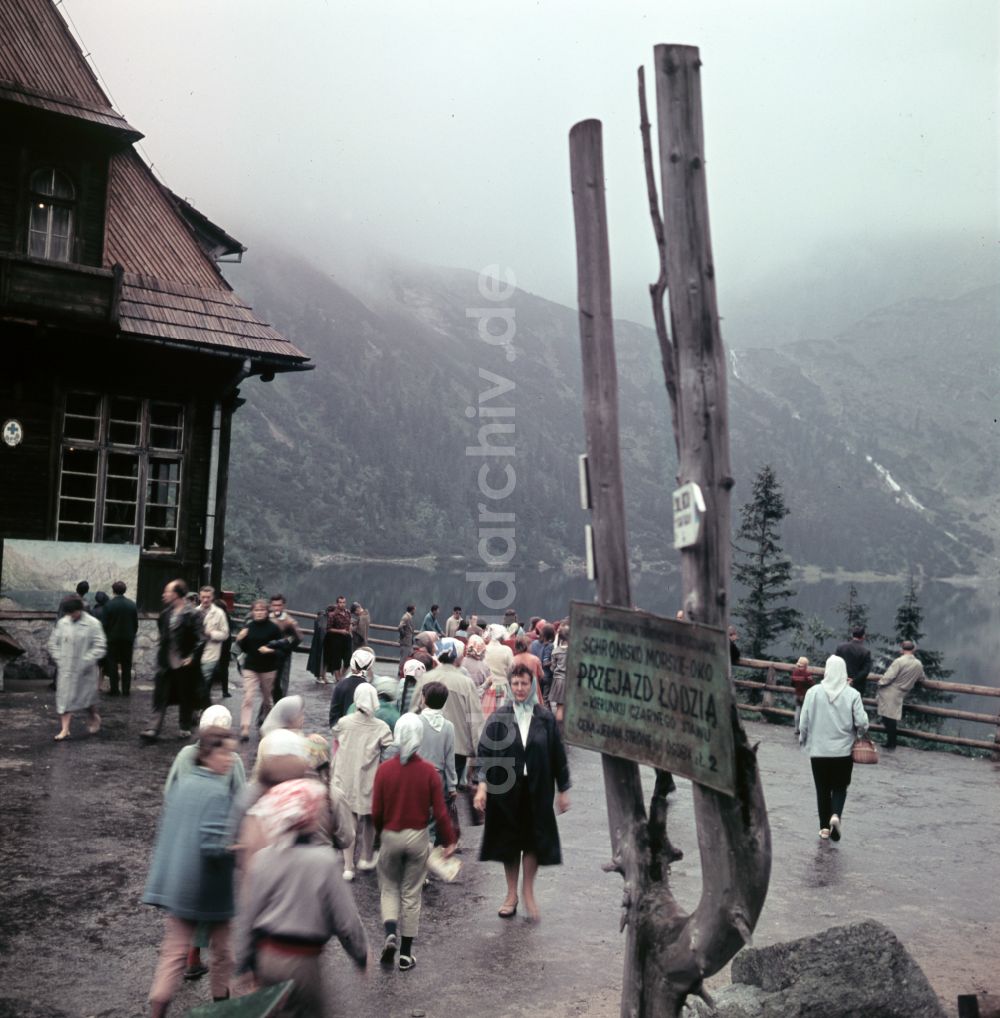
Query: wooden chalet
x: 123, y: 348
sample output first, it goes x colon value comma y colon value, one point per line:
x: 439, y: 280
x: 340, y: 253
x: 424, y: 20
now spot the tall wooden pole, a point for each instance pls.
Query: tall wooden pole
x: 703, y: 410
x: 622, y: 783
x: 734, y: 837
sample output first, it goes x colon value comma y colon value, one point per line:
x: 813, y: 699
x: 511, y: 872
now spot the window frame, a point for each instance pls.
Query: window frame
x: 38, y: 199
x: 144, y: 452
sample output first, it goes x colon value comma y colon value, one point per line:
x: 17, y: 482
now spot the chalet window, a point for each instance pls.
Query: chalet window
x: 120, y: 477
x: 50, y: 224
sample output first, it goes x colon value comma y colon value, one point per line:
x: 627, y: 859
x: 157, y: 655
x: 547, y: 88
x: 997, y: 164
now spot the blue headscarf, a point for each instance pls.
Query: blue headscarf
x: 528, y: 707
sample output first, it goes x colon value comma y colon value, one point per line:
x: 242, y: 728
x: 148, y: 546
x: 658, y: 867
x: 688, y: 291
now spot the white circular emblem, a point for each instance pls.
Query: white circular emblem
x: 13, y: 433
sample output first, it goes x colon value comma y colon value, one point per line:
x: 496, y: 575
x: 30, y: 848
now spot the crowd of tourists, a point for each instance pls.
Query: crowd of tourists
x: 257, y: 870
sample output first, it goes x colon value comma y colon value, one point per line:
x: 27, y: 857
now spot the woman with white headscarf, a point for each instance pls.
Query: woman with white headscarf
x: 832, y: 715
x: 289, y: 712
x: 473, y: 664
x: 185, y: 763
x: 362, y: 662
x: 413, y: 672
x: 407, y: 790
x: 362, y: 739
x: 294, y: 900
x: 499, y: 659
x: 186, y: 760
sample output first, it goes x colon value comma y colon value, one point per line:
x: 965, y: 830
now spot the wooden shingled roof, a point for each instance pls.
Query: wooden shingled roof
x: 42, y: 66
x: 202, y: 316
x: 172, y: 289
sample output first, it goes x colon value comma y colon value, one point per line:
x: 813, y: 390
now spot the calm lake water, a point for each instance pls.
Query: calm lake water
x: 962, y: 622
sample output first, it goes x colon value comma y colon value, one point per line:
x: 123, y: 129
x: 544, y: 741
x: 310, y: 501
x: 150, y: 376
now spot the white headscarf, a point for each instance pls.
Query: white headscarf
x: 834, y: 677
x: 387, y: 686
x: 288, y: 712
x: 283, y: 742
x: 362, y: 659
x: 407, y: 735
x: 414, y: 668
x: 496, y: 632
x: 366, y: 699
x: 215, y: 716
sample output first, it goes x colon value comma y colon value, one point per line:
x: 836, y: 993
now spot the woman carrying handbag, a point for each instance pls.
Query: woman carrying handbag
x: 832, y: 713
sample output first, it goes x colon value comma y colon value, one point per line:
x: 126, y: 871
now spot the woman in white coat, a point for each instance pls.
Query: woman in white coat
x: 362, y: 740
x: 77, y: 645
x: 832, y: 716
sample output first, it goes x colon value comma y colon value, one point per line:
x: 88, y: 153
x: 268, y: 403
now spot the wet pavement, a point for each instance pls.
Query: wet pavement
x: 78, y: 818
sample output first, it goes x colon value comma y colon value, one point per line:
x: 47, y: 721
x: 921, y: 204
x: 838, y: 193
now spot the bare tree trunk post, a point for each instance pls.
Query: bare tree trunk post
x: 733, y: 833
x: 669, y: 953
x: 622, y: 784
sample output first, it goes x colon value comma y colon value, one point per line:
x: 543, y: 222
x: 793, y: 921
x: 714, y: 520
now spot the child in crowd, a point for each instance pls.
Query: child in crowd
x: 801, y: 681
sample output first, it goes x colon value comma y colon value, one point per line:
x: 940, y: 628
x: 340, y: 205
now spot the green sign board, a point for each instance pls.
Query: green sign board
x: 652, y: 690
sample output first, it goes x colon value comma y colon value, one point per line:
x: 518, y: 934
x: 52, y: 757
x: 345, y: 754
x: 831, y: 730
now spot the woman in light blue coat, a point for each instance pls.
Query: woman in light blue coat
x: 191, y: 875
x: 832, y: 717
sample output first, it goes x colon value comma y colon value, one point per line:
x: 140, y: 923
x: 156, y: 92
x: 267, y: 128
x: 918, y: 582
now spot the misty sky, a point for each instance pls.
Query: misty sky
x: 439, y: 130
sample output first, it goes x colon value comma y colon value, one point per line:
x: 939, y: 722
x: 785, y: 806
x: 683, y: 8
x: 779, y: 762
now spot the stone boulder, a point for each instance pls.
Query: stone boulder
x: 856, y: 971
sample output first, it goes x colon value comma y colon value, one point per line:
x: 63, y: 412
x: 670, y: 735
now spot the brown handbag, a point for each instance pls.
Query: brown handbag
x: 864, y: 752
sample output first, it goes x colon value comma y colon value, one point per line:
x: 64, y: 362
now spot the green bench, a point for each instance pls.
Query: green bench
x: 260, y: 1004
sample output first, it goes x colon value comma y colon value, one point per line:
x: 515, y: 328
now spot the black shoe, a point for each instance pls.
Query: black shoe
x: 389, y: 950
x: 406, y: 962
x: 196, y: 972
x: 226, y: 695
x: 113, y: 692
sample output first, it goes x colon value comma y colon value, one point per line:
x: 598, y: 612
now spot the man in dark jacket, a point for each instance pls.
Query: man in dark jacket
x: 121, y: 623
x: 177, y: 660
x: 858, y: 659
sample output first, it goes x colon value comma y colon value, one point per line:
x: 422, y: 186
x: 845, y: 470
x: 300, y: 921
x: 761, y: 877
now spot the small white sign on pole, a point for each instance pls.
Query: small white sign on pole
x: 689, y: 506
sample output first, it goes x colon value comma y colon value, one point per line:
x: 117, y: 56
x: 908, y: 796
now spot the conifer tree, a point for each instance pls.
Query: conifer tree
x: 763, y: 570
x: 854, y: 611
x: 810, y: 636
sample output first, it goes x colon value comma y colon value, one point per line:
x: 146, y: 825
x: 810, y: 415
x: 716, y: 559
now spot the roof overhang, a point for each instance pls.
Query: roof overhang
x: 102, y: 117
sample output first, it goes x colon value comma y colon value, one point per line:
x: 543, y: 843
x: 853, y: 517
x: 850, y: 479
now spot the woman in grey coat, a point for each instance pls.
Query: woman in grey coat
x: 191, y: 875
x: 77, y: 646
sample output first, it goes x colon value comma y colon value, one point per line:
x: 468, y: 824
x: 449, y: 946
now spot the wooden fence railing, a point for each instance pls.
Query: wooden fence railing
x: 772, y: 689
x: 374, y: 642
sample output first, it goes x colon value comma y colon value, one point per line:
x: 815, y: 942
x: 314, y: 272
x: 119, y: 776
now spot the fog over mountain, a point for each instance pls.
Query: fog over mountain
x: 884, y: 437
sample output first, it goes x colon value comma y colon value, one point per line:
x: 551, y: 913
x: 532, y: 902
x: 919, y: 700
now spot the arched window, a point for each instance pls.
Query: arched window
x: 50, y: 227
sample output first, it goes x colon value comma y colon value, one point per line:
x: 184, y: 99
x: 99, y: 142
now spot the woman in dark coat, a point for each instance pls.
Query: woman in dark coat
x: 522, y: 761
x: 315, y: 665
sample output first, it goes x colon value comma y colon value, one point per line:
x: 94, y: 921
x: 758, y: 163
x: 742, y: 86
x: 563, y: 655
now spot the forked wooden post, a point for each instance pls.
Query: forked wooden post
x: 668, y: 952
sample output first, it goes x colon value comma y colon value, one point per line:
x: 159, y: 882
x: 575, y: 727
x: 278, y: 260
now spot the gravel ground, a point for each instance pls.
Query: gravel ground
x: 79, y: 818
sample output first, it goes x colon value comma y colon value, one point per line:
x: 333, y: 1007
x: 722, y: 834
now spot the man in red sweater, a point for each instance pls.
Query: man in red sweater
x: 407, y: 790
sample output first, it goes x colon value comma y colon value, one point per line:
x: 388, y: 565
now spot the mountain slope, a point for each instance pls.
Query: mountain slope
x: 367, y: 454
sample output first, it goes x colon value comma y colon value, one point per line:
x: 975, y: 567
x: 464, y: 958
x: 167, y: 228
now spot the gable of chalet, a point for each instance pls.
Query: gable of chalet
x: 169, y: 286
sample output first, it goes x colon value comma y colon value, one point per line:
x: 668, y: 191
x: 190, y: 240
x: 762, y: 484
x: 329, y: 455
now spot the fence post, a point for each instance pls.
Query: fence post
x: 768, y: 699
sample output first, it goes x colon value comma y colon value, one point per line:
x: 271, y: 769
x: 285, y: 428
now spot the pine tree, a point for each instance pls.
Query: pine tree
x: 764, y: 572
x: 854, y: 610
x: 810, y: 636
